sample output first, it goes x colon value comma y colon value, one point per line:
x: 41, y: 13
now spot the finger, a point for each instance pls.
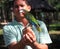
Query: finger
x: 26, y: 30
x: 28, y: 38
x: 24, y: 38
x: 31, y: 37
x: 32, y: 32
x: 28, y: 25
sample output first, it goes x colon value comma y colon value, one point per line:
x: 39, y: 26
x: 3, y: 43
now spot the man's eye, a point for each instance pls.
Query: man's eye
x: 21, y: 5
x: 16, y: 6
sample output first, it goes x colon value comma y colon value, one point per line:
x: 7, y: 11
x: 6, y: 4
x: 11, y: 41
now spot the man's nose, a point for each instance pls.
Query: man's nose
x: 19, y: 8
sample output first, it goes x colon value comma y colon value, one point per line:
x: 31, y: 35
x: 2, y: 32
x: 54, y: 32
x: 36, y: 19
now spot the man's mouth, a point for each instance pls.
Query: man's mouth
x: 21, y: 11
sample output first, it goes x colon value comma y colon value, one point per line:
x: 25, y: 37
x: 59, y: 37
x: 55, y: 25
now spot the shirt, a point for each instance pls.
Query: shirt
x: 13, y: 32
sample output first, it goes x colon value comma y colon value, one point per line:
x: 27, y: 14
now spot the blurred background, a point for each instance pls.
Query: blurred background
x: 45, y: 10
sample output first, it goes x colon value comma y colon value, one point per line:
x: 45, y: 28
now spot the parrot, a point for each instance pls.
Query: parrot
x: 32, y: 20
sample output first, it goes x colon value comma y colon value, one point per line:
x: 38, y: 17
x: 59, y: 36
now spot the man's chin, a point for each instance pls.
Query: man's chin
x: 22, y: 14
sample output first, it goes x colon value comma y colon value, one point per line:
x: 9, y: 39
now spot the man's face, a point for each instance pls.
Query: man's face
x: 18, y: 5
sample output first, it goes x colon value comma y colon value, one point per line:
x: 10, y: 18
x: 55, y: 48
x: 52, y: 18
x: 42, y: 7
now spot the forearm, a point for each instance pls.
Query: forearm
x: 39, y: 46
x: 19, y: 45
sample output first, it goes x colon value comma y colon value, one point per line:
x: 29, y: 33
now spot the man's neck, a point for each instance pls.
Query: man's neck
x: 24, y: 21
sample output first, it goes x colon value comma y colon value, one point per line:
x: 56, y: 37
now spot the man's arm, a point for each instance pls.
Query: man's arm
x: 10, y: 39
x: 36, y: 45
x: 15, y: 45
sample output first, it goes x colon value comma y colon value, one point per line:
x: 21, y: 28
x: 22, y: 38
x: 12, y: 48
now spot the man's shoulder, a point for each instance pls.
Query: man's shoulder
x: 11, y: 23
x: 41, y: 22
x: 8, y: 24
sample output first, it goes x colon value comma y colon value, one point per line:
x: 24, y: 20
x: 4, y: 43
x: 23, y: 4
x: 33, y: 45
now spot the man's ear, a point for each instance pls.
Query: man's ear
x: 29, y: 8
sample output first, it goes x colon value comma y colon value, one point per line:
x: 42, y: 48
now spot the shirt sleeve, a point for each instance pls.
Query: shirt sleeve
x: 44, y: 35
x: 9, y: 37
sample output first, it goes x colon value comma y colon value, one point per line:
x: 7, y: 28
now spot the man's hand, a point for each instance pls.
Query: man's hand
x: 29, y: 36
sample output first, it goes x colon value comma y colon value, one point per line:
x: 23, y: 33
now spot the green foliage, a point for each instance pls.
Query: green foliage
x: 54, y: 3
x: 1, y: 31
x: 58, y: 5
x: 54, y: 26
x: 2, y: 3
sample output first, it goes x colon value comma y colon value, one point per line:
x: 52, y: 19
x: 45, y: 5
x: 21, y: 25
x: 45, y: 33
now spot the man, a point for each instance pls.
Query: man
x: 16, y: 37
